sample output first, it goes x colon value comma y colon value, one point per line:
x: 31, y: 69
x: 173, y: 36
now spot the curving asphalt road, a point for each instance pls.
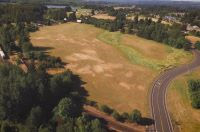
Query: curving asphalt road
x: 159, y: 110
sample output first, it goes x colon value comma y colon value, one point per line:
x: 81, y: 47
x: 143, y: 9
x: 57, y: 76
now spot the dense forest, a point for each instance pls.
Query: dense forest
x: 42, y: 102
x: 192, y: 17
x: 34, y: 100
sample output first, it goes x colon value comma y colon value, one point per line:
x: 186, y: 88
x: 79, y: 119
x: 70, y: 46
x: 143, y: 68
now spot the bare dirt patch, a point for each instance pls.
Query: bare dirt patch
x: 125, y: 85
x: 104, y: 16
x: 193, y: 39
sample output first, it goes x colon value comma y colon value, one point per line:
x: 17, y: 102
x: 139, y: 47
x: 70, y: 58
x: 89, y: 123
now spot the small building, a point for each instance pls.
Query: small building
x: 65, y: 19
x: 2, y: 54
x: 79, y: 21
x: 56, y: 7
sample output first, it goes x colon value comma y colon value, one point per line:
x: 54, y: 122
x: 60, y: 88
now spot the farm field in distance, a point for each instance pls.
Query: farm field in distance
x: 186, y: 118
x: 104, y: 16
x: 193, y: 39
x: 118, y: 69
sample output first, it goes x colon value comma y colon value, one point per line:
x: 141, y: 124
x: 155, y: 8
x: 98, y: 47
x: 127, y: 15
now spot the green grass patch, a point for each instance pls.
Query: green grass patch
x: 135, y: 57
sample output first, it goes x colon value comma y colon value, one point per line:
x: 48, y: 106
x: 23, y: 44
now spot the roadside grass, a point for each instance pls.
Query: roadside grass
x: 118, y: 69
x: 173, y: 58
x: 186, y: 118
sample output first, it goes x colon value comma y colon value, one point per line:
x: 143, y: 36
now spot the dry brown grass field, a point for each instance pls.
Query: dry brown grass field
x: 118, y: 69
x: 193, y: 39
x: 104, y: 16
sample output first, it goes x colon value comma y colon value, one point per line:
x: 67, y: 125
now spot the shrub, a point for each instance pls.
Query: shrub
x: 36, y: 117
x: 106, y: 109
x: 197, y: 45
x: 135, y: 116
x: 116, y: 115
x: 125, y: 116
x: 6, y: 127
x: 194, y: 91
x: 91, y: 103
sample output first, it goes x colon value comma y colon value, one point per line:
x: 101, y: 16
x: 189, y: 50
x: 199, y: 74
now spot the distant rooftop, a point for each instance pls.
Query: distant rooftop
x: 56, y: 6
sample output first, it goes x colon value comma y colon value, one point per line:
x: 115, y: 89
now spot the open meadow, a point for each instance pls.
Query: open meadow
x: 117, y: 69
x: 186, y: 118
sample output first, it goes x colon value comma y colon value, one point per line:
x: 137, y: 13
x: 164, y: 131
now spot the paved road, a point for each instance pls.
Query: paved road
x: 158, y: 94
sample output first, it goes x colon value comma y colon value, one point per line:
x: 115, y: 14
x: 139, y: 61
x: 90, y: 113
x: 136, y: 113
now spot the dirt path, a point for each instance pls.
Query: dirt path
x: 112, y: 123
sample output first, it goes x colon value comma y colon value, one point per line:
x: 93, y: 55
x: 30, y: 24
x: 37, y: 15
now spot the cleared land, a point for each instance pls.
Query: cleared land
x: 104, y: 16
x: 118, y: 69
x: 193, y: 39
x: 187, y: 119
x: 84, y: 12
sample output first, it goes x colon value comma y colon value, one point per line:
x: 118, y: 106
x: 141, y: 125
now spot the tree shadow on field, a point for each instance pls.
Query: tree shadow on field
x: 78, y: 86
x: 146, y: 121
x: 58, y: 63
x: 42, y: 48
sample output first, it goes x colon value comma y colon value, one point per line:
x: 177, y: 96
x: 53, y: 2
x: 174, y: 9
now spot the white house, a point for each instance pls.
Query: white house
x: 2, y: 54
x: 79, y: 21
x: 65, y: 19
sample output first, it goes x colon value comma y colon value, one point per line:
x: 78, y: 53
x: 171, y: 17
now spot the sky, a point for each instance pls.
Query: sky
x: 149, y: 0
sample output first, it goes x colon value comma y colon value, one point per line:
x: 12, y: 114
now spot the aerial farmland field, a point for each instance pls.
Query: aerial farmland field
x: 117, y: 69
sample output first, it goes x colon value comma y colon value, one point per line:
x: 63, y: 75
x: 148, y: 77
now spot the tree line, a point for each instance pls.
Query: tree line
x: 170, y: 35
x: 192, y: 17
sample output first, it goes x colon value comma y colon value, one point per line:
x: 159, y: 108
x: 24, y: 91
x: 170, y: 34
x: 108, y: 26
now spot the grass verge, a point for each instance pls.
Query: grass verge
x: 186, y: 118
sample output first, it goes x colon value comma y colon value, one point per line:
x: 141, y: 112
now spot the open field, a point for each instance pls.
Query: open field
x: 118, y: 69
x: 193, y: 39
x: 104, y: 16
x: 84, y: 12
x: 186, y: 118
x: 150, y: 54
